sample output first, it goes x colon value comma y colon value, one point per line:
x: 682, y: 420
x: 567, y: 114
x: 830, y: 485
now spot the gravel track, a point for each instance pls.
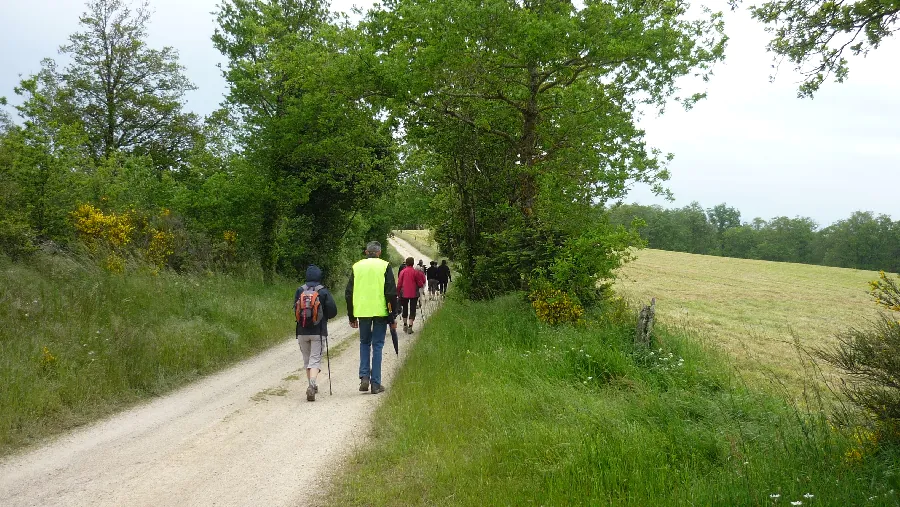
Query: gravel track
x: 244, y: 436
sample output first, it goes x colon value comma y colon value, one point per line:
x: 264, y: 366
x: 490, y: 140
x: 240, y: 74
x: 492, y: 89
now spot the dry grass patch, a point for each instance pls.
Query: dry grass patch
x: 754, y: 310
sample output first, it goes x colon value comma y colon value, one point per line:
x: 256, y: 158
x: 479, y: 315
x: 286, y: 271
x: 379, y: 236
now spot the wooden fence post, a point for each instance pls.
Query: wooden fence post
x: 645, y: 324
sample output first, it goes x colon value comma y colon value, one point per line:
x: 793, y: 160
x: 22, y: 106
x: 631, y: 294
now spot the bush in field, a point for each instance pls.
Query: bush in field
x: 870, y: 359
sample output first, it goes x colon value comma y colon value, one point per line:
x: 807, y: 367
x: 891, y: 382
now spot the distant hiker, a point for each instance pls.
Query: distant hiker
x: 408, y: 284
x: 371, y: 294
x: 443, y: 277
x: 432, y: 275
x: 421, y: 266
x: 313, y: 306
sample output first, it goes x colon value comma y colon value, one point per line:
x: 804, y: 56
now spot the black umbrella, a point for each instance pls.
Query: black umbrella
x: 394, y: 339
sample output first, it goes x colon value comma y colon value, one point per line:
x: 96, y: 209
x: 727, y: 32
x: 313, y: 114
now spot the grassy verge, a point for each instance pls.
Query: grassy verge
x: 492, y: 408
x: 78, y: 343
x: 420, y: 240
x: 756, y: 311
x: 394, y: 257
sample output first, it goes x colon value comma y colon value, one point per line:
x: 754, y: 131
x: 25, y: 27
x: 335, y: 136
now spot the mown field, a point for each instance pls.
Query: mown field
x: 755, y: 311
x: 78, y: 343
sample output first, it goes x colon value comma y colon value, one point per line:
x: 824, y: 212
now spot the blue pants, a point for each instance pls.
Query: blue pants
x: 371, y: 341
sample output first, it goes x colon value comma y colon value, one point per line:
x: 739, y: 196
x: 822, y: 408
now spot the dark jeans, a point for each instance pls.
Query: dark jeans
x: 371, y: 343
x: 408, y: 307
x: 442, y: 286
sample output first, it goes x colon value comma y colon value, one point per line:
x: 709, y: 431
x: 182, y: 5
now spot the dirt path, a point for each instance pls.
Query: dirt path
x: 245, y: 436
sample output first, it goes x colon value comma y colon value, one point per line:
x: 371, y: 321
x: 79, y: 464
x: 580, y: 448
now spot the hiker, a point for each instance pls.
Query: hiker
x: 311, y: 334
x: 421, y: 266
x: 432, y: 275
x: 443, y: 277
x: 371, y: 294
x: 408, y: 284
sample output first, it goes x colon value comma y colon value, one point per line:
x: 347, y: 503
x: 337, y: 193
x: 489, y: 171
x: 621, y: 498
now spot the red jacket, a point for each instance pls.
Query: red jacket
x: 409, y: 282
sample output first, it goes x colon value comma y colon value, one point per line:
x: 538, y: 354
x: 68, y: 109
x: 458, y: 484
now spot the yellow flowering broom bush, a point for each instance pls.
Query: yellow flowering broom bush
x: 554, y: 306
x: 869, y: 359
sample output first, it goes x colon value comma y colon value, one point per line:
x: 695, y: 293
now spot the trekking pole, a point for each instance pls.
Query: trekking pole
x: 328, y: 360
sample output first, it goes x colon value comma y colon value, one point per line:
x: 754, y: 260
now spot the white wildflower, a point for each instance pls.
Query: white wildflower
x: 775, y: 495
x: 808, y: 495
x: 798, y: 502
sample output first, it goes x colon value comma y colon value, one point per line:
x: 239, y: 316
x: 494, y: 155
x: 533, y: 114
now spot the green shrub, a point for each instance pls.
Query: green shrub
x: 870, y: 360
x: 16, y: 238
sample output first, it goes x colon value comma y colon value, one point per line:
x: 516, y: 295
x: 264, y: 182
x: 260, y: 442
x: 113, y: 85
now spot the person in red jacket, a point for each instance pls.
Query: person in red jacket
x: 408, y: 285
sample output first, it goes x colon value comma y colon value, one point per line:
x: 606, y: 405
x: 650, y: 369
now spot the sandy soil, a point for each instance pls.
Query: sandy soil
x: 245, y: 436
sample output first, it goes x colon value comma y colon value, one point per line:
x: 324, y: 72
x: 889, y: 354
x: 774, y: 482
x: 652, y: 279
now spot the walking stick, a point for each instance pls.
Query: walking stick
x: 328, y: 360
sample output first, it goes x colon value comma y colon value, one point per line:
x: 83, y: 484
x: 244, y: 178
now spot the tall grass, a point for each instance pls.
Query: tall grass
x: 77, y: 343
x: 492, y: 408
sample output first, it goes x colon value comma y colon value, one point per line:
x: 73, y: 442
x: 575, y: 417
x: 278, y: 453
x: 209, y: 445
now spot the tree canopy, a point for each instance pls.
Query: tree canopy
x: 817, y: 35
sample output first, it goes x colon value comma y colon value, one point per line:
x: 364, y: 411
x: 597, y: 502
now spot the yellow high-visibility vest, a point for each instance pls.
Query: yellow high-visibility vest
x: 368, y: 288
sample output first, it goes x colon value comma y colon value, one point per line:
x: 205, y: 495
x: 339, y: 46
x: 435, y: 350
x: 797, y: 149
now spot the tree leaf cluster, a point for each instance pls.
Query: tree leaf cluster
x: 527, y: 112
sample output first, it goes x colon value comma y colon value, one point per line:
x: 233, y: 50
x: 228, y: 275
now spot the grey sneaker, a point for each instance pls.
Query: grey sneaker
x: 377, y: 388
x: 310, y: 393
x: 317, y: 388
x: 405, y: 328
x: 364, y: 384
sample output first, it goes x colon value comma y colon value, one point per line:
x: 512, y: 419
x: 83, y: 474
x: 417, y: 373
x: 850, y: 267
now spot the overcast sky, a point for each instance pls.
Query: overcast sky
x: 751, y: 144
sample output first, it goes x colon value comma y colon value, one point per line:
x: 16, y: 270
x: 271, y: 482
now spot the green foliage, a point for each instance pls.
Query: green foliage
x: 557, y: 415
x: 815, y: 35
x: 316, y: 145
x: 524, y: 110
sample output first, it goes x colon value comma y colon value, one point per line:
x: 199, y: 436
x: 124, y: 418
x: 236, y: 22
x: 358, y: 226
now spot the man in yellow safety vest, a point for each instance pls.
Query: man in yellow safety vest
x: 370, y: 294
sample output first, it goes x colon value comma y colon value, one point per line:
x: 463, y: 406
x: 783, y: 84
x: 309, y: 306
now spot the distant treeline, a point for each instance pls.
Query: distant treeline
x: 863, y: 241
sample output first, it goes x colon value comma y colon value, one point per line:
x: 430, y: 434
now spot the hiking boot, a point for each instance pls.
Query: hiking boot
x: 363, y: 384
x: 405, y: 328
x: 316, y: 387
x: 311, y: 393
x: 410, y: 331
x: 377, y: 388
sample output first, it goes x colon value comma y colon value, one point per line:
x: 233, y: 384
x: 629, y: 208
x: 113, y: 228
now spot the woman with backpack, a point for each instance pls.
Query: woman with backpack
x: 408, y: 285
x: 313, y: 306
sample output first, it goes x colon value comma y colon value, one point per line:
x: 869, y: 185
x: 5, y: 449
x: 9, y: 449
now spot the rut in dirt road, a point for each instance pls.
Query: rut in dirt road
x: 245, y: 436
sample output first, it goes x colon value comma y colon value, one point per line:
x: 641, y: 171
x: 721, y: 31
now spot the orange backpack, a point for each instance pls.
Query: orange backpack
x: 308, y: 308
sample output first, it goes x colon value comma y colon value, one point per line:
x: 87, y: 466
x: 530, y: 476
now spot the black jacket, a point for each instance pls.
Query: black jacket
x: 432, y: 273
x: 326, y: 300
x: 443, y: 273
